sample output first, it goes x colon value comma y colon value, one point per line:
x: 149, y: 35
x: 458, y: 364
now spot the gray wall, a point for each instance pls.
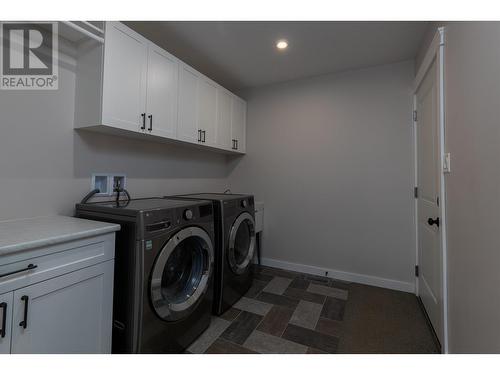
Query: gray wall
x: 472, y: 79
x: 45, y: 165
x: 331, y: 159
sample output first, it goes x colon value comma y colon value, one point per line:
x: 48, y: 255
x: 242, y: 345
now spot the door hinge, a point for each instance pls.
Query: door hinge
x: 415, y: 192
x: 416, y: 271
x: 414, y: 115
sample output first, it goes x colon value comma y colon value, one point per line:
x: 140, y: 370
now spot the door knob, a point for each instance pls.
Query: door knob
x: 432, y: 221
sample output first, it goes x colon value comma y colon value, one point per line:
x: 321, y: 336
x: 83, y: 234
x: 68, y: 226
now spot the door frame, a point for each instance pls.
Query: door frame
x: 435, y: 52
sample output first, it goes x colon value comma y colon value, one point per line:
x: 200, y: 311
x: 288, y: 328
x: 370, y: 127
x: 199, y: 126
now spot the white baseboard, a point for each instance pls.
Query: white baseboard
x: 341, y: 275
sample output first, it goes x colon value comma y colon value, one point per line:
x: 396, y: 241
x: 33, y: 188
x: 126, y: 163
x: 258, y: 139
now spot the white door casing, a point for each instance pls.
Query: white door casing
x: 430, y: 204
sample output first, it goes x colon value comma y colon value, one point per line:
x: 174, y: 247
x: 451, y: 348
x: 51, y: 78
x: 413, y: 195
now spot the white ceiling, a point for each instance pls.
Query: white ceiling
x: 242, y: 55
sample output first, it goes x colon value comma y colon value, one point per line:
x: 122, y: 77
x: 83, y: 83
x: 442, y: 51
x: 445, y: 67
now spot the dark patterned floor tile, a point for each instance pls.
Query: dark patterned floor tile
x: 280, y: 300
x: 340, y: 284
x: 275, y: 320
x: 231, y: 314
x: 241, y: 327
x: 311, y: 338
x: 256, y: 288
x: 299, y: 283
x: 279, y: 272
x: 329, y: 327
x: 262, y: 277
x: 304, y: 295
x: 315, y: 351
x: 221, y: 346
x: 333, y: 309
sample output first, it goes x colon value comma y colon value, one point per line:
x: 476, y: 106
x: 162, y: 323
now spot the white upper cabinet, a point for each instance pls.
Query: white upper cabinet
x: 131, y: 84
x: 207, y: 110
x: 161, y: 103
x: 224, y: 115
x: 238, y: 125
x: 124, y: 79
x: 187, y: 124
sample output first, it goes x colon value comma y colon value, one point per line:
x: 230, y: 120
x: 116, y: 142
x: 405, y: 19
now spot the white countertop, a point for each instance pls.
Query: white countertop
x: 23, y: 234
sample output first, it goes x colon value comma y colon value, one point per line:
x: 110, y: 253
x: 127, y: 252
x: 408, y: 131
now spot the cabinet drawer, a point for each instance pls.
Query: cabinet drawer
x: 68, y: 258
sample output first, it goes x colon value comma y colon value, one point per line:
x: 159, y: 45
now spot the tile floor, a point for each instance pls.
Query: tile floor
x: 290, y: 312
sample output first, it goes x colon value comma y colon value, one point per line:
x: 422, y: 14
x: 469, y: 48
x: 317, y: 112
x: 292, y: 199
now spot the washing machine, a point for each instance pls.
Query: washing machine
x: 163, y: 283
x: 235, y: 243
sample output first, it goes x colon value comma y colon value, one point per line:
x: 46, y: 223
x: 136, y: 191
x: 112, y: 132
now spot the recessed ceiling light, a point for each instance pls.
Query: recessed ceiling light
x: 281, y: 44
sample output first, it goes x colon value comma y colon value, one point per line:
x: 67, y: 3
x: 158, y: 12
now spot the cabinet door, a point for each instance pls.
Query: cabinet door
x: 5, y: 321
x: 124, y: 78
x: 238, y: 123
x: 187, y: 124
x: 67, y: 314
x: 223, y: 130
x: 207, y: 110
x: 161, y: 104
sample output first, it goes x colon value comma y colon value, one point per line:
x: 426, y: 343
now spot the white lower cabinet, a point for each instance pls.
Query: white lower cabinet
x: 59, y: 298
x: 67, y: 314
x: 5, y: 321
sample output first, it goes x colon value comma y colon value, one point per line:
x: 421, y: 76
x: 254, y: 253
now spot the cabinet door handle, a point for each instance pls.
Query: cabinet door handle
x: 150, y: 117
x: 204, y: 135
x: 199, y: 135
x: 3, y: 331
x: 236, y: 141
x: 143, y: 115
x: 232, y: 147
x: 24, y: 323
x: 30, y: 267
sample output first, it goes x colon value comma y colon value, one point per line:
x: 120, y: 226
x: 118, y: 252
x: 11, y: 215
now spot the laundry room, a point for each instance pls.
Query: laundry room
x: 248, y: 185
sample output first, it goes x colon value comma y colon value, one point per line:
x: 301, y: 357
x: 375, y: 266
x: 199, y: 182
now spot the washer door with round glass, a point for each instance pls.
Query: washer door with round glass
x: 241, y: 243
x: 181, y: 273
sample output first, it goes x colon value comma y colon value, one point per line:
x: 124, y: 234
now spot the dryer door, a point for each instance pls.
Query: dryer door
x: 241, y: 243
x: 181, y: 273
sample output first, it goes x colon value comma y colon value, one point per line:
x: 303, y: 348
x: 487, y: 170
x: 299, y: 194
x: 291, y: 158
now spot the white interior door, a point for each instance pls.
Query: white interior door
x: 124, y: 86
x: 430, y: 258
x: 162, y: 93
x: 187, y: 126
x: 71, y: 313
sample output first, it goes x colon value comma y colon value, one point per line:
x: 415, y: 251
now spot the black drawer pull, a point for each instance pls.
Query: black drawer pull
x: 24, y: 323
x: 30, y: 267
x: 143, y: 127
x: 3, y: 331
x: 150, y: 122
